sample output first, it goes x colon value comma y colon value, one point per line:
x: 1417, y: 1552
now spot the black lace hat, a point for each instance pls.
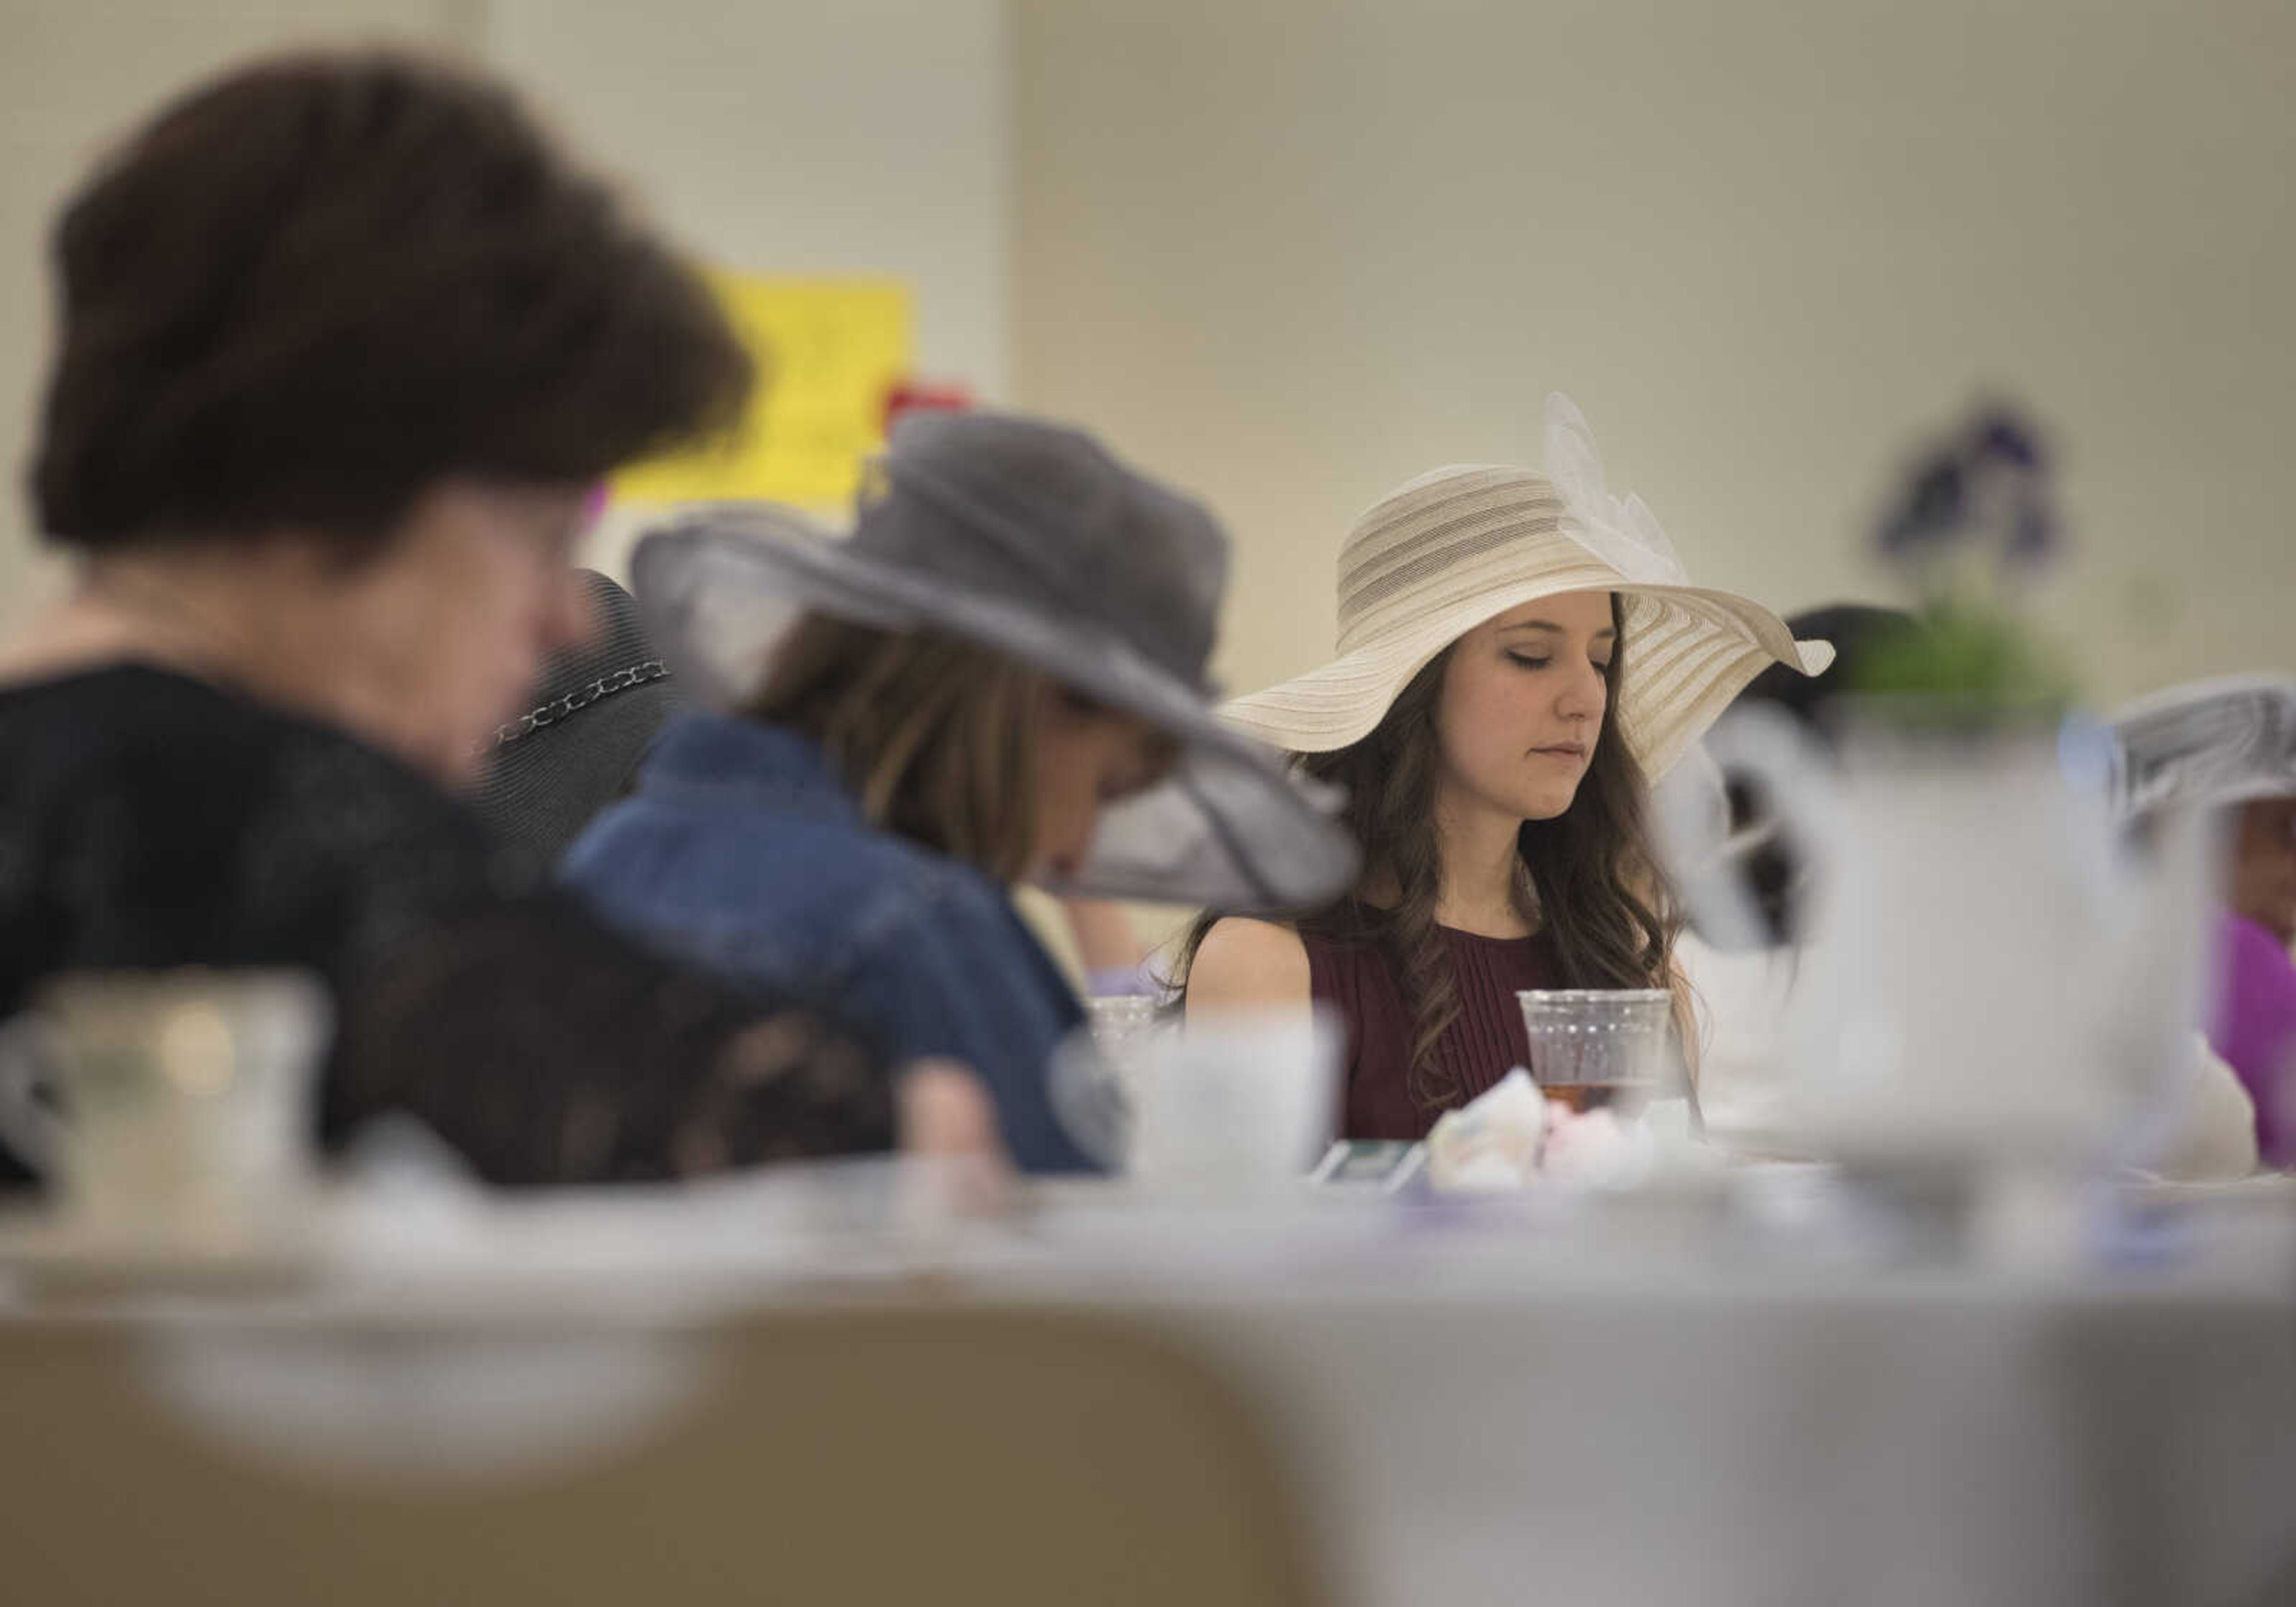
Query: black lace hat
x: 577, y: 747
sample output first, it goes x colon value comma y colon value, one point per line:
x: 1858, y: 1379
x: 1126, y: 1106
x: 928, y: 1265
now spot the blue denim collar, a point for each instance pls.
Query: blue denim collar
x: 720, y: 757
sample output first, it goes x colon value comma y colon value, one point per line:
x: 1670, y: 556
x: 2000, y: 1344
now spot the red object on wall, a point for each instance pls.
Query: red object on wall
x: 910, y: 396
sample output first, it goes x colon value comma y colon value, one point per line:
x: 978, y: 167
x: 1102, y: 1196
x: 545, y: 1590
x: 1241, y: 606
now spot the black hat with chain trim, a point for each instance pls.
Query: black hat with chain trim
x: 578, y: 745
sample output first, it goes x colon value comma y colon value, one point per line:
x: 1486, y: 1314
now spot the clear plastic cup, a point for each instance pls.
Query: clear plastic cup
x: 1596, y: 1047
x: 1239, y: 1103
x: 1100, y: 1076
x: 1121, y: 1023
x: 1242, y: 1101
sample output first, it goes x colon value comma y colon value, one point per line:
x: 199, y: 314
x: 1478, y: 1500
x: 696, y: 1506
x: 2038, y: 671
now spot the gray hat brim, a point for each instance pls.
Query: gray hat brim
x: 1229, y: 829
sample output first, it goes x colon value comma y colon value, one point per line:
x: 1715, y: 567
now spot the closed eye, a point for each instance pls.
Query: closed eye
x: 1601, y: 666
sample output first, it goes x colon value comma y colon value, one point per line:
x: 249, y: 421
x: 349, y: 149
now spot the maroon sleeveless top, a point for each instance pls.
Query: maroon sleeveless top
x: 1486, y: 1040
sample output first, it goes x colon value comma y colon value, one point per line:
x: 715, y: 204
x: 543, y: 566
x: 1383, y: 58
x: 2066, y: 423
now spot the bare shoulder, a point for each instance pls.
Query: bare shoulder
x: 1247, y: 962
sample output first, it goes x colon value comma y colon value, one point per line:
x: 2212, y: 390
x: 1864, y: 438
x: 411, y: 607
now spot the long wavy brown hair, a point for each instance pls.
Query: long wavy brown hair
x: 1589, y: 881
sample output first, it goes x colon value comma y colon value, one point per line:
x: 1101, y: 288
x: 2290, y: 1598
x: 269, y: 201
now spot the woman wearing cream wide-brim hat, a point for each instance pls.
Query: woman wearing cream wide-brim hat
x: 1520, y: 656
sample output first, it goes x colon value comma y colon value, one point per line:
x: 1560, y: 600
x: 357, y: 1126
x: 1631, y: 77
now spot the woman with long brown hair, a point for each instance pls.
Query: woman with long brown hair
x: 1520, y: 656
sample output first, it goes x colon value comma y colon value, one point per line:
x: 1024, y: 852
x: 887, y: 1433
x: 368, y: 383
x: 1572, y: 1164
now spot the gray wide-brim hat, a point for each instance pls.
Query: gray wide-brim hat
x: 2207, y: 744
x: 1030, y: 539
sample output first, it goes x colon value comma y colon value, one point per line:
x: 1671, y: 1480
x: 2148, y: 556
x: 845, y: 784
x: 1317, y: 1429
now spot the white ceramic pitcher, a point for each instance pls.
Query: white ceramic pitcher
x: 1988, y: 971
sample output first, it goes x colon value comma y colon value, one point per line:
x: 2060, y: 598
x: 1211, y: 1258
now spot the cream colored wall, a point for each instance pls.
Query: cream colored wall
x: 791, y: 136
x: 74, y: 75
x: 1293, y: 252
x: 867, y: 137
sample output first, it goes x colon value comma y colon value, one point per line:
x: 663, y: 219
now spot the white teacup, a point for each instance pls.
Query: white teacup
x: 184, y: 1100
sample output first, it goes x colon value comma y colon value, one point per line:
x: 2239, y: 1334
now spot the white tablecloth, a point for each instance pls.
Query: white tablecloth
x: 1777, y: 1445
x: 1479, y: 1416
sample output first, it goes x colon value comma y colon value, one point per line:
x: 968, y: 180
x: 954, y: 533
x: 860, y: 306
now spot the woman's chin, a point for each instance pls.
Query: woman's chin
x: 1546, y: 805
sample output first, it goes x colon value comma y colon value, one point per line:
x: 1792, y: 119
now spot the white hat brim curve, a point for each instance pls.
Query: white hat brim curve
x: 1689, y: 652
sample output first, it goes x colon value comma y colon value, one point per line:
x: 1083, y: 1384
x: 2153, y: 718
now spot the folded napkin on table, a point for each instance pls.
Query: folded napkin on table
x: 1513, y: 1133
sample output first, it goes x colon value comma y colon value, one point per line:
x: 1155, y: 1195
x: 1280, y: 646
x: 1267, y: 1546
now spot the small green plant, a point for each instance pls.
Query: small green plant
x: 1972, y: 525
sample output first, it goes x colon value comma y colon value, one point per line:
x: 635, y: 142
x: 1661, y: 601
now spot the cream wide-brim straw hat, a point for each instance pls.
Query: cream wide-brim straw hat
x: 1460, y: 546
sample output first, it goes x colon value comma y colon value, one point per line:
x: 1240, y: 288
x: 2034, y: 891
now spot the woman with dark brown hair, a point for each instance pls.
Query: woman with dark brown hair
x: 1520, y: 655
x: 345, y: 346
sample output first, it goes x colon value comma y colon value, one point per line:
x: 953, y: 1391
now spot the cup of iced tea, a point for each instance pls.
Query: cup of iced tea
x: 1599, y: 1047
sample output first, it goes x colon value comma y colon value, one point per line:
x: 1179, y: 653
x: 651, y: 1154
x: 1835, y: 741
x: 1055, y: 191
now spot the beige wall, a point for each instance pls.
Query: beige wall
x: 794, y: 136
x: 865, y: 137
x: 1293, y: 252
x: 74, y: 75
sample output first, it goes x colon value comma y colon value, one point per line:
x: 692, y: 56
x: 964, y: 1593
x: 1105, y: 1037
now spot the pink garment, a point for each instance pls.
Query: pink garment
x: 2255, y: 1030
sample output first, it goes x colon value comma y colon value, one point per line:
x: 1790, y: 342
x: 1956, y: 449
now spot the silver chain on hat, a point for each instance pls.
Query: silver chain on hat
x: 559, y: 709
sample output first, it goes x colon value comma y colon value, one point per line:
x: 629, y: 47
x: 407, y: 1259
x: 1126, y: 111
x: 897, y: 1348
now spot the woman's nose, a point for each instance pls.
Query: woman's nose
x: 1583, y: 696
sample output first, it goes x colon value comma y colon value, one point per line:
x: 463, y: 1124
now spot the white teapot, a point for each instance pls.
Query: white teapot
x: 1989, y: 971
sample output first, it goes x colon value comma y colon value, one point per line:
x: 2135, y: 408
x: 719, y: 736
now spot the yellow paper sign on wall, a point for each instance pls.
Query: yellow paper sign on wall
x: 828, y: 352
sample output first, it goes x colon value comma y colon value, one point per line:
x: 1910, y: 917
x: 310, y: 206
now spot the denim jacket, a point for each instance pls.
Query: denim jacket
x: 740, y: 853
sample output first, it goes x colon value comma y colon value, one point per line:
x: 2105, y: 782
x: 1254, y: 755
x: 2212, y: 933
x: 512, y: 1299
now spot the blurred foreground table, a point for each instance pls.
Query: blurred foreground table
x: 1465, y: 1409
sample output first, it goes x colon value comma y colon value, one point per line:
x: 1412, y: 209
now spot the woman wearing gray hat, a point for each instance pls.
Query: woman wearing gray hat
x: 999, y: 678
